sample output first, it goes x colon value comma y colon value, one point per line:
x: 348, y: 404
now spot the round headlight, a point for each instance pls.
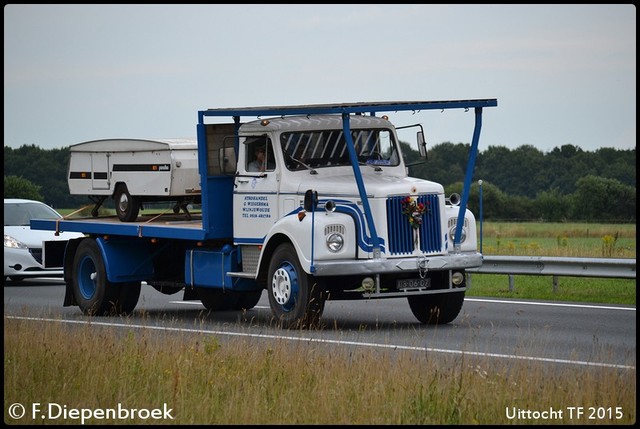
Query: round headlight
x: 452, y: 234
x: 335, y: 242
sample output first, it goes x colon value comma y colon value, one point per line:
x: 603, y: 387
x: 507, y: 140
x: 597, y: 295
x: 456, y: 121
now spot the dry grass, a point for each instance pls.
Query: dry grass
x: 559, y: 239
x: 205, y: 380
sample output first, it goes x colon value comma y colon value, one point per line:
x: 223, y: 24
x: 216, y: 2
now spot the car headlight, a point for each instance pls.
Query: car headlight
x: 335, y: 242
x: 463, y: 235
x: 12, y: 243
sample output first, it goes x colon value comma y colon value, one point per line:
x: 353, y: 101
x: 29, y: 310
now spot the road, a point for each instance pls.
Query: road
x: 557, y: 333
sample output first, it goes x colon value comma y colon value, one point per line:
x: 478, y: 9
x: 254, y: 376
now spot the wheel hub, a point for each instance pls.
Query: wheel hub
x: 283, y: 283
x: 87, y: 278
x: 123, y: 203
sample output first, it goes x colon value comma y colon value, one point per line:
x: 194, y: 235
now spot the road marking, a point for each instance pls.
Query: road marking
x: 551, y: 304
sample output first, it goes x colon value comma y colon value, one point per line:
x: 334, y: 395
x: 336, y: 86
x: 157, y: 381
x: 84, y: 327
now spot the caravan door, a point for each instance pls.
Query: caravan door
x: 100, y: 170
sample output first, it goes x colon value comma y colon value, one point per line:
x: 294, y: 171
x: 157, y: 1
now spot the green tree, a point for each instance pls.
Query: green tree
x: 518, y: 172
x: 552, y: 206
x: 600, y: 199
x: 19, y: 187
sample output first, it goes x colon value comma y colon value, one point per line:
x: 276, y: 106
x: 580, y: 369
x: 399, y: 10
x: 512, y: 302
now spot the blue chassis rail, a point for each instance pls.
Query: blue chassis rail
x: 212, y: 183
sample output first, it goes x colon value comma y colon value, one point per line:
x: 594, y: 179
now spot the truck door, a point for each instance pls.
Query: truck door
x: 255, y: 196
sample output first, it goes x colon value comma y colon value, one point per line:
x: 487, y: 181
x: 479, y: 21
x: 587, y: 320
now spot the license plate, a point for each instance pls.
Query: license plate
x: 414, y: 283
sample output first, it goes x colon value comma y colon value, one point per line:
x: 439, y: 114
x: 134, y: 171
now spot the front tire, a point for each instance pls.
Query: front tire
x: 94, y: 294
x: 436, y: 309
x: 296, y: 298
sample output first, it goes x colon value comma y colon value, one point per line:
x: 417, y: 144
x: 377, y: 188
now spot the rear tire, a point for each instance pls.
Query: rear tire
x: 127, y: 206
x: 248, y: 300
x: 436, y: 309
x: 94, y: 294
x: 216, y: 299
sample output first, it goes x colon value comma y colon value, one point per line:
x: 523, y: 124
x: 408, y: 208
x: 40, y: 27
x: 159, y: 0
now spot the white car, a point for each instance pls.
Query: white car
x: 22, y: 245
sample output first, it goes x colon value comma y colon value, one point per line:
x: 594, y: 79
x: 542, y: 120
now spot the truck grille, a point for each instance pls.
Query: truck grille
x: 401, y: 235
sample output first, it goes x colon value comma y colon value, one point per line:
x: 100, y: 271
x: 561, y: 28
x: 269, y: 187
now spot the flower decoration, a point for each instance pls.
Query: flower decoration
x: 414, y: 211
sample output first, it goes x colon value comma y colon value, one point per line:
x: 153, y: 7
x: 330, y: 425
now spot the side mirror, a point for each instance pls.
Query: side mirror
x: 422, y: 144
x: 310, y: 200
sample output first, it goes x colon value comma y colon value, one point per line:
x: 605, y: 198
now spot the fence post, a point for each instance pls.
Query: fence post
x: 555, y: 283
x: 511, y: 282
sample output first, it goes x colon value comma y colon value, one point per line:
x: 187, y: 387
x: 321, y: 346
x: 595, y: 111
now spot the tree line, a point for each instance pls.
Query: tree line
x: 565, y: 184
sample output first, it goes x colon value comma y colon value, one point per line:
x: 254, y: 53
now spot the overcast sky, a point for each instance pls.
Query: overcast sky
x: 562, y: 74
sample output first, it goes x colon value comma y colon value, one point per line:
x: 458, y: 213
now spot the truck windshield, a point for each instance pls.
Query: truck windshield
x: 328, y: 148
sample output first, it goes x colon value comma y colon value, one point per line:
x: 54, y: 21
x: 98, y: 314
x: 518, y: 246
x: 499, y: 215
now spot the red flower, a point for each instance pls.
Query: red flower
x: 413, y: 211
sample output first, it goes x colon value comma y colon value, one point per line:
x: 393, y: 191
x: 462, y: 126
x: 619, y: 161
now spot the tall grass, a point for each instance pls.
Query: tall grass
x: 204, y: 380
x: 580, y: 240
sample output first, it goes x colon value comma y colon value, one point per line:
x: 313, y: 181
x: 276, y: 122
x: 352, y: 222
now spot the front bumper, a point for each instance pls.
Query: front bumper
x: 19, y: 263
x: 421, y: 264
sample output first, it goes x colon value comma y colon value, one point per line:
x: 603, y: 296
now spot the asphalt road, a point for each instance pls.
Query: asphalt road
x: 557, y: 333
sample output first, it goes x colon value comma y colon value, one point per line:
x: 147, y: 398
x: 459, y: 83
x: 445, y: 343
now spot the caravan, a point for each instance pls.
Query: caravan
x: 135, y: 171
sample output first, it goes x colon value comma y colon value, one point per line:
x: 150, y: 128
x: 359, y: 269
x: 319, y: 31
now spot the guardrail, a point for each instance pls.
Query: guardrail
x: 556, y: 266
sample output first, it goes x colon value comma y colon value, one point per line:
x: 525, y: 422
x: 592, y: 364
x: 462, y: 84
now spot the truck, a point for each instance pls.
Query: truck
x: 134, y: 172
x: 332, y: 214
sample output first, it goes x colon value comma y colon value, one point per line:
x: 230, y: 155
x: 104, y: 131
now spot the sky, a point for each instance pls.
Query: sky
x: 562, y: 74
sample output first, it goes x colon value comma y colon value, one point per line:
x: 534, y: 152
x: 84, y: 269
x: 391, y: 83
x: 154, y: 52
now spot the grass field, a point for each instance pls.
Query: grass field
x: 581, y: 240
x: 203, y: 380
x: 558, y: 240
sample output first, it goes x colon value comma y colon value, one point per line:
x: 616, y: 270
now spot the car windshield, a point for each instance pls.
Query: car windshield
x: 312, y: 149
x: 20, y: 214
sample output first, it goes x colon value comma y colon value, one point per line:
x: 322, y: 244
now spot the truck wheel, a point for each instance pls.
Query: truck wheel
x: 215, y: 299
x: 127, y: 206
x: 437, y: 308
x: 95, y: 294
x: 296, y: 298
x: 127, y: 297
x: 248, y: 300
